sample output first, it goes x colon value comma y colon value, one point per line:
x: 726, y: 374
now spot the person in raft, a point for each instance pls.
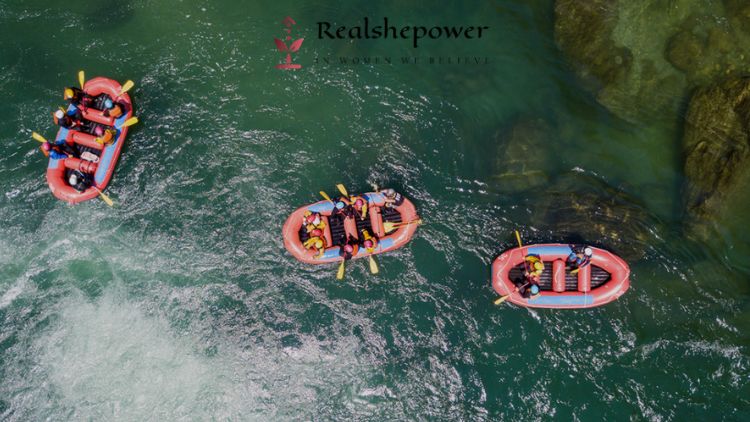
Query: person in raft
x: 58, y: 151
x: 579, y: 257
x: 311, y: 221
x: 318, y: 243
x: 369, y: 242
x: 77, y: 97
x: 79, y: 181
x: 534, y: 268
x: 112, y: 109
x: 528, y: 290
x: 342, y: 207
x: 392, y: 198
x: 348, y: 249
x: 104, y: 137
x: 66, y: 120
x: 357, y: 204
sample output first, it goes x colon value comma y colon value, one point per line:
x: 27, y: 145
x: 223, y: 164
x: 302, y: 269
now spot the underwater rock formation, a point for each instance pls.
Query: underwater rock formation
x: 580, y: 208
x: 583, y: 30
x: 707, y: 52
x: 642, y: 58
x: 522, y: 155
x: 716, y: 144
x: 629, y: 78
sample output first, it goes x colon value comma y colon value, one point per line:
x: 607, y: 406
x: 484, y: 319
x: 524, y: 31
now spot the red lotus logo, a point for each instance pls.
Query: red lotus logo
x: 282, y: 47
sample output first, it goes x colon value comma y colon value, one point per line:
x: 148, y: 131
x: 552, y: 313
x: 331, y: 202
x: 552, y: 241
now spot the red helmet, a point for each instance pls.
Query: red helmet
x: 368, y: 243
x: 359, y: 202
x: 349, y: 248
x: 310, y: 218
x: 317, y: 232
x: 46, y: 146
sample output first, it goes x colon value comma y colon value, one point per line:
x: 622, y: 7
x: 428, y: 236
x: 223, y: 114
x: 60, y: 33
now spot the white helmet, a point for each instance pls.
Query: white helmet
x: 73, y: 179
x: 59, y: 114
x: 588, y: 252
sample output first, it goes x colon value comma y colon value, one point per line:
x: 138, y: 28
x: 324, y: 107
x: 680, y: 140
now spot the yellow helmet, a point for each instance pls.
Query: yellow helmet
x: 538, y: 266
x: 318, y: 244
x: 68, y: 93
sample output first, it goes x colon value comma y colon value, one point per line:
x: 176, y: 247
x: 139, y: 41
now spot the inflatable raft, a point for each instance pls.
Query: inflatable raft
x: 605, y: 279
x: 338, y: 227
x: 100, y: 173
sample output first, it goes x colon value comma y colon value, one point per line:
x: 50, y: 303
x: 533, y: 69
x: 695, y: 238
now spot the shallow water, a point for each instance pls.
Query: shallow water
x: 181, y: 303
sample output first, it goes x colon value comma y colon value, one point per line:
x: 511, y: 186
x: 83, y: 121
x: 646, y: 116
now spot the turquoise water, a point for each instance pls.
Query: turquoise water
x: 181, y: 302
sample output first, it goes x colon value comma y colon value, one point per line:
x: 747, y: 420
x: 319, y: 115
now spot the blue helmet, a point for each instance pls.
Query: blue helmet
x: 534, y: 289
x: 108, y: 103
x: 339, y: 205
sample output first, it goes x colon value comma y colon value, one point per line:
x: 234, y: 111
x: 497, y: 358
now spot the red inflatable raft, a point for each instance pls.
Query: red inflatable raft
x: 337, y: 228
x: 605, y: 279
x: 59, y: 170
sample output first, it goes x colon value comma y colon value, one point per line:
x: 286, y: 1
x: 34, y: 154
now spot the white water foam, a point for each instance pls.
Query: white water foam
x: 111, y: 359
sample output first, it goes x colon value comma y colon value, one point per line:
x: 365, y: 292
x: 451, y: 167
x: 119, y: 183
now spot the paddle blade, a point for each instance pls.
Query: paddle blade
x: 575, y: 271
x: 81, y: 78
x: 38, y: 137
x: 373, y: 266
x: 105, y: 198
x: 340, y: 272
x: 518, y: 238
x: 125, y: 88
x: 342, y: 189
x: 130, y: 122
x: 388, y: 226
x: 325, y: 195
x: 501, y: 299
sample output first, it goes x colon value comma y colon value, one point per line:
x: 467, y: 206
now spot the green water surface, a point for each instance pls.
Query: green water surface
x: 182, y: 304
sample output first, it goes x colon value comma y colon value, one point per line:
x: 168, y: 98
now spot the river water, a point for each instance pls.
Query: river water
x: 181, y: 303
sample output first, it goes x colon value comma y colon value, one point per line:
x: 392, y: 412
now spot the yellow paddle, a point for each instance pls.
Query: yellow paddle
x: 342, y: 189
x: 126, y: 87
x: 104, y: 197
x: 373, y: 266
x: 340, y: 272
x: 501, y: 299
x: 38, y: 137
x: 81, y: 78
x: 518, y: 237
x: 389, y: 225
x: 130, y: 122
x: 325, y: 195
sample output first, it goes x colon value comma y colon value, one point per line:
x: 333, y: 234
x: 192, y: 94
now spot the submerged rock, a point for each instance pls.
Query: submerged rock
x: 583, y: 209
x: 738, y: 12
x: 706, y: 52
x: 583, y: 30
x: 628, y: 74
x: 640, y: 58
x: 522, y: 155
x: 716, y: 144
x: 686, y: 50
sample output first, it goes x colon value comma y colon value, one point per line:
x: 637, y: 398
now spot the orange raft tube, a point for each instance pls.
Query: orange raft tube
x: 605, y: 279
x: 337, y: 228
x: 57, y: 170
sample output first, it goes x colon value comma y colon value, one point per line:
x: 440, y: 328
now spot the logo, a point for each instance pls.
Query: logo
x: 293, y: 48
